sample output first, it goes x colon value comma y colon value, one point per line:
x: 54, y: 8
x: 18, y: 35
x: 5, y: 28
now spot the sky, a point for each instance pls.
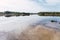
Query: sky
x: 30, y: 5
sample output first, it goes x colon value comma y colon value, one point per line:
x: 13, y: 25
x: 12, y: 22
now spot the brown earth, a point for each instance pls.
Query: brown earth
x: 40, y: 33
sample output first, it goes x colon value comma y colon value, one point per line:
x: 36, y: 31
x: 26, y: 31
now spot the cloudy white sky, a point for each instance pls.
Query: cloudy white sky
x: 29, y: 5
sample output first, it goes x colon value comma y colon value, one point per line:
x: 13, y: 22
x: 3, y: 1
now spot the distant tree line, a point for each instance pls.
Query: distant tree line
x: 39, y: 13
x: 10, y: 13
x: 49, y: 13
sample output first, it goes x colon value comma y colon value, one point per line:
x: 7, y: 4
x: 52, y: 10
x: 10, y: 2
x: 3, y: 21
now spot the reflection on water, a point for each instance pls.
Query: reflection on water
x: 11, y: 26
x: 13, y: 23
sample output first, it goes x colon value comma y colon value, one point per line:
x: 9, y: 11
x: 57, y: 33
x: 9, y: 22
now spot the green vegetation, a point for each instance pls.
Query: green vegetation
x: 49, y: 13
x: 10, y: 13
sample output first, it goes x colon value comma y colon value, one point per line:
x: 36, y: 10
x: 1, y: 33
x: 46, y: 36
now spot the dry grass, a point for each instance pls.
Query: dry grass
x: 40, y: 33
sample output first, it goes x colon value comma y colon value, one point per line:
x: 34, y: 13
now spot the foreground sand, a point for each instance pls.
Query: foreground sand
x: 40, y: 33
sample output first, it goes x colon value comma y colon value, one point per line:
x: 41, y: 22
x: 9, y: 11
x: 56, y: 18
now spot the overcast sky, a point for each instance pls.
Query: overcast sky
x: 29, y: 5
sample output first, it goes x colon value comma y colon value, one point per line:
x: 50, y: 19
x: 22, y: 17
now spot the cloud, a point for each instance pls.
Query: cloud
x: 52, y: 2
x: 29, y: 5
x: 48, y: 2
x: 49, y: 5
x: 19, y: 5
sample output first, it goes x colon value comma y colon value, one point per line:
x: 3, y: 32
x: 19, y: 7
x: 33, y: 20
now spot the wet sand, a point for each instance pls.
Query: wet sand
x: 40, y: 33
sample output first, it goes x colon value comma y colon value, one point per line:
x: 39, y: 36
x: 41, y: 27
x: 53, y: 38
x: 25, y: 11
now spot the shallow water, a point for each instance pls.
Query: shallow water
x: 14, y: 23
x: 11, y: 25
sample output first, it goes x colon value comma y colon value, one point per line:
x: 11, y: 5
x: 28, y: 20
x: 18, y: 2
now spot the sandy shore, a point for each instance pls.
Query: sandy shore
x: 40, y: 33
